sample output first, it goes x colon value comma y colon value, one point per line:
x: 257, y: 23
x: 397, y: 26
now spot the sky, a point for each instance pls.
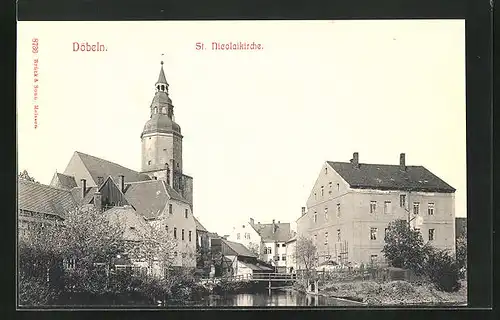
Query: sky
x: 257, y: 125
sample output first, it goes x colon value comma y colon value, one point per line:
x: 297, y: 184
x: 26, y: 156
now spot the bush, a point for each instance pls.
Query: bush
x: 443, y: 270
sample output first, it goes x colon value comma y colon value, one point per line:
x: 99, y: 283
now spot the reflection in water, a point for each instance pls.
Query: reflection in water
x: 275, y: 299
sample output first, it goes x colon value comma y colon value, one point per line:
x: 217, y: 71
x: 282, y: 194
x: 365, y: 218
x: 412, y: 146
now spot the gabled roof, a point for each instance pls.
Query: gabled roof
x: 149, y: 198
x: 41, y: 198
x: 98, y: 167
x: 89, y: 195
x: 63, y: 181
x: 292, y: 239
x: 265, y: 230
x: 132, y: 223
x: 199, y: 226
x: 390, y: 177
x: 239, y: 249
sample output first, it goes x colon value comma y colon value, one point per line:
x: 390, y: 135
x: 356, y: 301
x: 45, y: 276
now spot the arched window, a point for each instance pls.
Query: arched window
x: 156, y: 110
x: 162, y: 88
x: 158, y: 87
x: 164, y: 110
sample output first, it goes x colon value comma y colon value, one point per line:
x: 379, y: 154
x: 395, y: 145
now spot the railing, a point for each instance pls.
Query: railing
x: 274, y: 276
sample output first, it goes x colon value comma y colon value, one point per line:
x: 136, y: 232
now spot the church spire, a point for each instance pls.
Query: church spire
x: 162, y: 84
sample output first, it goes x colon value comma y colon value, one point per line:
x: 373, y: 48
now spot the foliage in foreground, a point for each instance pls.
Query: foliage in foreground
x: 405, y: 248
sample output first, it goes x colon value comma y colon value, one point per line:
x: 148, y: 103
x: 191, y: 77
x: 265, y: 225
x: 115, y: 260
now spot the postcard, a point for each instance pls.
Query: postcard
x: 212, y: 164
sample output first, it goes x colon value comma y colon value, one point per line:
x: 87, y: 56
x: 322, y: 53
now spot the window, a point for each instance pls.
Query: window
x: 249, y: 236
x: 170, y: 208
x: 190, y: 236
x: 430, y: 209
x: 267, y: 250
x: 175, y: 233
x: 326, y: 213
x: 326, y: 170
x: 315, y: 197
x: 182, y: 234
x: 338, y: 236
x: 338, y: 187
x: 385, y: 233
x: 238, y: 236
x: 186, y: 213
x: 373, y: 233
x: 373, y: 206
x: 315, y: 238
x: 276, y: 258
x: 416, y: 208
x: 338, y: 210
x: 315, y: 217
x: 387, y: 207
x: 322, y: 191
x: 283, y: 245
x: 175, y: 254
x: 283, y: 257
x: 402, y: 200
x: 431, y: 234
x: 149, y: 161
x: 326, y: 238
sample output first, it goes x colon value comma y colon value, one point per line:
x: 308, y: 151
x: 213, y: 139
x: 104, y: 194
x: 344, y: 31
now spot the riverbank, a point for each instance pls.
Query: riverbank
x: 391, y: 293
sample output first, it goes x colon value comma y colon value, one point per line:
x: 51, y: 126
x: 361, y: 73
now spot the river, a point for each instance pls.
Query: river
x: 276, y: 298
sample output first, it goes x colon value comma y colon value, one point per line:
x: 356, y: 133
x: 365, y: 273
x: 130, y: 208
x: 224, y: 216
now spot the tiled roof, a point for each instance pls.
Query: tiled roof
x: 239, y: 249
x: 199, y: 226
x: 149, y: 198
x: 127, y: 218
x: 161, y: 77
x: 174, y: 194
x: 65, y: 181
x: 41, y: 198
x: 390, y: 177
x: 98, y: 167
x: 282, y: 232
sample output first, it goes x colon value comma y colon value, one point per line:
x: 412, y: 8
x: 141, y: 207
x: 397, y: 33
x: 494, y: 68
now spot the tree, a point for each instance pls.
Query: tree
x: 254, y: 248
x: 305, y: 253
x: 461, y: 246
x: 404, y: 248
x: 25, y: 176
x: 443, y: 270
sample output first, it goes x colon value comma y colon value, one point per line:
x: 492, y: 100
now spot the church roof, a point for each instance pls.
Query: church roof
x: 98, y: 167
x: 390, y: 177
x: 161, y: 123
x: 42, y: 198
x: 161, y: 77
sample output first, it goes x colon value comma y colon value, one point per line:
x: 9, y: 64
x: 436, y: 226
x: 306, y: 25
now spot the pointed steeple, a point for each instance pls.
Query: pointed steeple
x: 162, y: 84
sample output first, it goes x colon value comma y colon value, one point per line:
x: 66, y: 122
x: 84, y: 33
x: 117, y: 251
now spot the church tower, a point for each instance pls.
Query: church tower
x: 162, y: 140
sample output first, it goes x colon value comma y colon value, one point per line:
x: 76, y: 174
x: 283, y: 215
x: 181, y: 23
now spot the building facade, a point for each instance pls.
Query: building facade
x: 268, y: 238
x: 291, y: 247
x: 351, y: 205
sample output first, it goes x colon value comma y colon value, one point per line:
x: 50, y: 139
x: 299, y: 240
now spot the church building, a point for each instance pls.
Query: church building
x: 159, y: 194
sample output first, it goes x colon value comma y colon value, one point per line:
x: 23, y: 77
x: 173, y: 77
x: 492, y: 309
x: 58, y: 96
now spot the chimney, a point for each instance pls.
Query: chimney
x: 402, y: 164
x: 251, y: 221
x: 121, y: 182
x: 98, y: 201
x: 84, y: 187
x: 279, y: 221
x: 274, y: 226
x: 355, y: 160
x: 303, y: 210
x: 100, y: 181
x: 258, y: 222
